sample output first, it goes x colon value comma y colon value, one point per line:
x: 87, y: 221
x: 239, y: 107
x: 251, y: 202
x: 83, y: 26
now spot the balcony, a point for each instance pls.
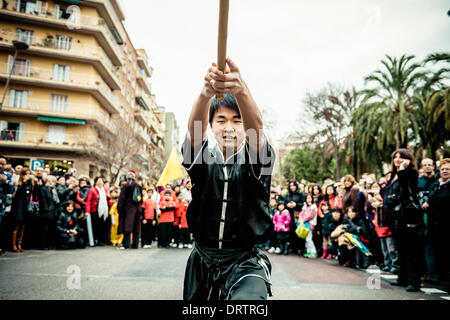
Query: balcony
x: 44, y: 77
x: 73, y: 51
x: 43, y: 141
x: 142, y: 62
x: 142, y: 81
x: 74, y: 21
x: 45, y: 107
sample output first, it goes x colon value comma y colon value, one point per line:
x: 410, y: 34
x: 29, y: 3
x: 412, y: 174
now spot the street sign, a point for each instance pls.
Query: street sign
x: 36, y: 163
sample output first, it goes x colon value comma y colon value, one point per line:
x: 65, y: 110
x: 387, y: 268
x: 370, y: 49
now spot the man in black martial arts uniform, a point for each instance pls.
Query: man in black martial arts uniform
x: 230, y: 173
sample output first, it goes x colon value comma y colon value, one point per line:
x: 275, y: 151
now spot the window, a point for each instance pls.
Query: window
x: 24, y: 35
x: 128, y: 96
x: 60, y: 72
x: 56, y: 134
x: 63, y: 42
x: 58, y: 103
x: 132, y: 103
x: 12, y: 131
x: 129, y: 75
x: 21, y: 66
x: 29, y: 6
x: 18, y: 98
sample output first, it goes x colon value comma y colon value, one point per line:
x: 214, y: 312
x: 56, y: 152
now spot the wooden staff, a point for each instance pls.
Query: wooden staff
x: 222, y: 39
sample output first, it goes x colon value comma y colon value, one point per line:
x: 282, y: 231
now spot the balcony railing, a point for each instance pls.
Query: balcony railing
x: 88, y: 81
x: 73, y: 19
x: 72, y: 47
x: 49, y: 107
x: 45, y: 138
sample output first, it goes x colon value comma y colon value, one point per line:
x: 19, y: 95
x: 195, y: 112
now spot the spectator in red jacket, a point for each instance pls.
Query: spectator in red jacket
x: 167, y: 207
x: 148, y: 219
x: 97, y: 205
x: 185, y: 235
x: 176, y: 223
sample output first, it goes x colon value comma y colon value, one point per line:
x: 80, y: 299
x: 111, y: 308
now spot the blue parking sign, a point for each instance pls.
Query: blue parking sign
x: 36, y: 163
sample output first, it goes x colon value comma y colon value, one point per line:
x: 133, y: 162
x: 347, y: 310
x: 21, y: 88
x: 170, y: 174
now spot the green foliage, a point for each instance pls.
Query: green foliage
x: 307, y: 163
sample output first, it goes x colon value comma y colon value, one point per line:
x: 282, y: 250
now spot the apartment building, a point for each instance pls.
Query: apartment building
x: 77, y: 71
x: 172, y: 134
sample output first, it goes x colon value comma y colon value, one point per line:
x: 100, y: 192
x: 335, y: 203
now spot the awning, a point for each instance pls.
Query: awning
x: 142, y: 103
x: 73, y: 1
x: 117, y: 35
x: 61, y: 120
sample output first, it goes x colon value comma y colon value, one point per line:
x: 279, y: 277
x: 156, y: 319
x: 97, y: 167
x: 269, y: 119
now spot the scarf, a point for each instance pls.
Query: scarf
x: 54, y: 195
x: 102, y: 204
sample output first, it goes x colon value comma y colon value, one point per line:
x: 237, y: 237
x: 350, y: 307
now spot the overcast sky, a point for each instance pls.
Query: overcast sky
x: 282, y: 48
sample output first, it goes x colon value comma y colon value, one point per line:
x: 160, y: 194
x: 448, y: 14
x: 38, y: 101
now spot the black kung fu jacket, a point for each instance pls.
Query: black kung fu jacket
x: 229, y: 207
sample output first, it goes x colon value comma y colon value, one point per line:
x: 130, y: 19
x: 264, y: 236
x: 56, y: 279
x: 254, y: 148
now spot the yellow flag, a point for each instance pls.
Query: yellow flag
x: 172, y: 170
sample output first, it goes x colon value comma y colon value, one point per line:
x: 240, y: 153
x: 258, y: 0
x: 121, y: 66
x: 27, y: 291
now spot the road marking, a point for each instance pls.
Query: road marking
x: 446, y: 297
x: 431, y: 290
x: 389, y: 276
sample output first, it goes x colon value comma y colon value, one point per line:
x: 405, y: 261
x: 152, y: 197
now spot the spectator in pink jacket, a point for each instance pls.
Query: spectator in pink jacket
x: 309, y: 215
x: 281, y: 220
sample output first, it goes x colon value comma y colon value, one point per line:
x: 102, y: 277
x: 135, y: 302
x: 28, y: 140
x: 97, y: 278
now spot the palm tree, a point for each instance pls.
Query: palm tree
x: 433, y: 107
x: 391, y: 99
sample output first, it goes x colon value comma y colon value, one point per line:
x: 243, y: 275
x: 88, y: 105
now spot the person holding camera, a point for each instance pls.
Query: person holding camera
x: 340, y: 244
x: 405, y: 218
x: 25, y: 193
x: 70, y: 234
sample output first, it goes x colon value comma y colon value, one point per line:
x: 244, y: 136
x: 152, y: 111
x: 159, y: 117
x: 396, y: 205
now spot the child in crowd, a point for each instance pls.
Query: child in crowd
x: 358, y: 225
x: 281, y: 220
x: 325, y: 220
x: 273, y: 242
x: 309, y: 214
x: 167, y: 207
x: 185, y: 236
x: 116, y: 239
x: 148, y: 219
x: 176, y: 224
x: 388, y: 246
x: 69, y: 234
x: 340, y: 244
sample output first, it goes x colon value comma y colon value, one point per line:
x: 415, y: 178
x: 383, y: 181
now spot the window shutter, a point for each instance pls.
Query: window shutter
x: 28, y: 67
x: 21, y: 133
x: 12, y: 94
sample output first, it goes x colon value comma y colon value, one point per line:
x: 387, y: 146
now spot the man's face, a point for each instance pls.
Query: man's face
x: 445, y: 171
x: 228, y: 128
x: 428, y: 166
x: 39, y: 171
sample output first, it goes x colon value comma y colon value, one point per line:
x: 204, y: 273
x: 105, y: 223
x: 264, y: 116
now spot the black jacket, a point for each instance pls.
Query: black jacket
x: 396, y: 195
x: 47, y: 204
x: 229, y: 200
x: 438, y: 213
x: 66, y: 221
x: 21, y: 199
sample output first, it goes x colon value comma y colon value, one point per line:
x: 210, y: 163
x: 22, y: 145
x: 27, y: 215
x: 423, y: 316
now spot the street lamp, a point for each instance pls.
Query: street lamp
x: 18, y: 45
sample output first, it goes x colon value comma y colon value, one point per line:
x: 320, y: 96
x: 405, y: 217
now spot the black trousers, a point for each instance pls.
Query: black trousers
x: 185, y: 236
x: 47, y: 229
x: 410, y: 255
x: 127, y: 240
x: 227, y: 274
x: 147, y: 233
x: 101, y: 228
x: 165, y: 234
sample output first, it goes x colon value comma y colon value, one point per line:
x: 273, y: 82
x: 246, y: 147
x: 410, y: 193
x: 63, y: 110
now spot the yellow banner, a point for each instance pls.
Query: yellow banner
x: 172, y: 171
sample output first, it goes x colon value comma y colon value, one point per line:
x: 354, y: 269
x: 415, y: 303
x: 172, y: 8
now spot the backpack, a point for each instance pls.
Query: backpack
x: 137, y: 197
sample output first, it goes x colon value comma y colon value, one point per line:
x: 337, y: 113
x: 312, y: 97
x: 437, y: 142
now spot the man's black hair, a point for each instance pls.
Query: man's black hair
x: 228, y: 101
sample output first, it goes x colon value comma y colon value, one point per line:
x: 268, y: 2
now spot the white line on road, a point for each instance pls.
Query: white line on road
x: 431, y: 290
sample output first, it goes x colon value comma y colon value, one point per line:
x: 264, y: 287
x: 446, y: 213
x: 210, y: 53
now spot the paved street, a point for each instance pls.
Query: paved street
x: 157, y: 274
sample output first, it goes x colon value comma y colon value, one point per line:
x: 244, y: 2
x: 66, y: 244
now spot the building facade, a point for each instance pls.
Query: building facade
x: 172, y: 134
x: 78, y: 72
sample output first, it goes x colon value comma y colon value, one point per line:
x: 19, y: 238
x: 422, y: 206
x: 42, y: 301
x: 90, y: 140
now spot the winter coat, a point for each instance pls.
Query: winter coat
x: 129, y: 211
x: 21, y: 199
x: 333, y: 225
x: 64, y: 193
x: 5, y: 188
x: 167, y: 210
x: 66, y: 221
x: 426, y: 186
x: 48, y: 206
x: 309, y: 214
x: 395, y: 193
x: 182, y: 214
x: 282, y: 221
x: 359, y: 226
x: 438, y: 213
x: 352, y: 198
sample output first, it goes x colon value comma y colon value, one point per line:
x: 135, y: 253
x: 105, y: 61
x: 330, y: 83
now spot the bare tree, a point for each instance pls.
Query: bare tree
x: 115, y: 148
x: 330, y: 112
